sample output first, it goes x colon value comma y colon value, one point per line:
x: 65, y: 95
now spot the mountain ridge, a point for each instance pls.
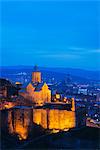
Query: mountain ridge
x: 86, y: 74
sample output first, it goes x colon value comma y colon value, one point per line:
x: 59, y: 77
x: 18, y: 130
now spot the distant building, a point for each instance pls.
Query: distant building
x: 83, y: 90
x: 98, y: 97
x: 18, y: 85
x: 37, y: 90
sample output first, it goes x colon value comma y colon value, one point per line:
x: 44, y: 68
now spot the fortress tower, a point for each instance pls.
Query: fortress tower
x: 36, y: 75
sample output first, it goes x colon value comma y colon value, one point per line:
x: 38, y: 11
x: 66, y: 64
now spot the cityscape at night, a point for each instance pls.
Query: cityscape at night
x: 49, y: 75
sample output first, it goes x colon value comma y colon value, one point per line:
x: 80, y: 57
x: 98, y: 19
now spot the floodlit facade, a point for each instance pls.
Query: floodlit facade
x: 55, y: 116
x: 51, y: 116
x: 20, y: 123
x: 60, y: 116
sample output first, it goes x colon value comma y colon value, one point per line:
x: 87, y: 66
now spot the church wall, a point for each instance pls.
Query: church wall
x: 42, y: 96
x: 49, y: 96
x: 30, y: 90
x: 39, y: 97
x: 36, y: 77
x: 45, y: 93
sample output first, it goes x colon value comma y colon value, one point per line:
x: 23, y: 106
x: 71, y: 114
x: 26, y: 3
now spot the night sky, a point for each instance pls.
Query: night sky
x: 50, y: 33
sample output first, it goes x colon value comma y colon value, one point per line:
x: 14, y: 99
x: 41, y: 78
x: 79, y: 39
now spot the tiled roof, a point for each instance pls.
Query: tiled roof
x: 37, y: 86
x: 34, y: 84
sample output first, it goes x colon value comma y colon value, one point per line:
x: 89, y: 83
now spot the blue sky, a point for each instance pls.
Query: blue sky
x: 50, y: 33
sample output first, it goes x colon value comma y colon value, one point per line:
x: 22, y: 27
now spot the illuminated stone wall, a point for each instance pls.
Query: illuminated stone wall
x: 54, y: 119
x: 19, y: 121
x: 40, y: 117
x: 44, y: 119
x: 10, y: 123
x: 37, y: 116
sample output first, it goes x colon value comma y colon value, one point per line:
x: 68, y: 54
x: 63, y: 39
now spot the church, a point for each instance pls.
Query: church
x: 38, y: 90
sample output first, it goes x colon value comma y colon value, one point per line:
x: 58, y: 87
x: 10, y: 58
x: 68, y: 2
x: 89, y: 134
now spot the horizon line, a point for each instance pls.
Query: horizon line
x: 87, y: 69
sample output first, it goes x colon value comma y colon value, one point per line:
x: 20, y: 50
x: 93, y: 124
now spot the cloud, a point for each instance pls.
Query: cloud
x: 79, y: 50
x: 76, y: 48
x: 71, y: 54
x: 60, y: 56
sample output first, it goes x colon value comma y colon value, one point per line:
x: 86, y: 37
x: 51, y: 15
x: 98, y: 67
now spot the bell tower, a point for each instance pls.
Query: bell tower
x: 36, y: 75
